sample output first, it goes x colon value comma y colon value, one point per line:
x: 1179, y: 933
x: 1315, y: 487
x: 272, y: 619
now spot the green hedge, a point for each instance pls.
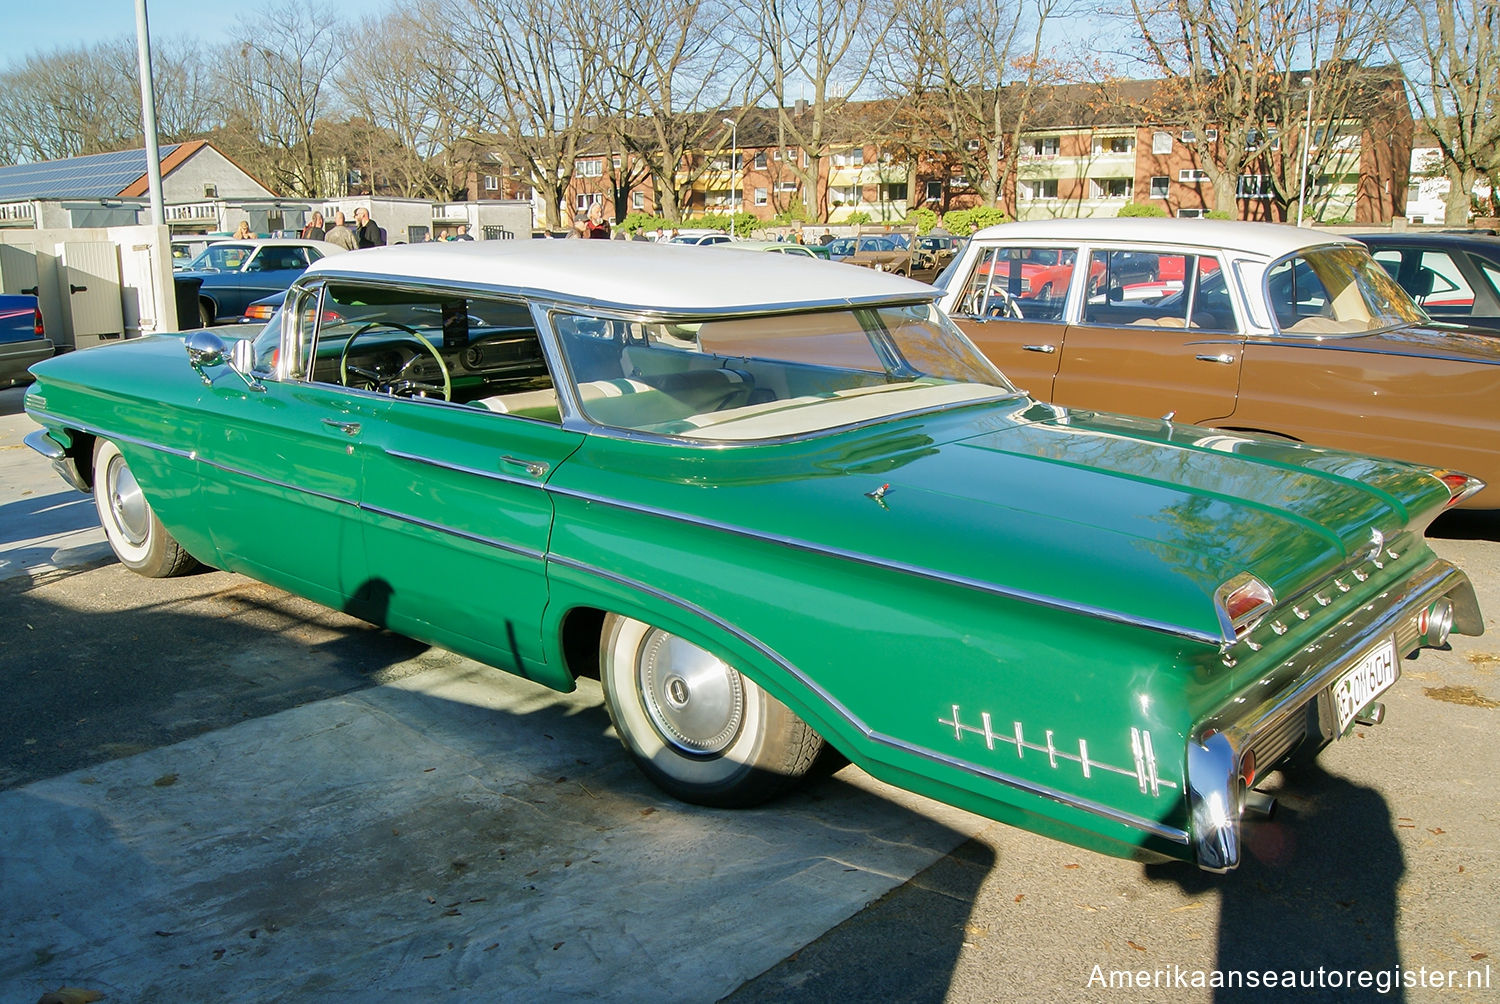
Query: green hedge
x: 1142, y: 209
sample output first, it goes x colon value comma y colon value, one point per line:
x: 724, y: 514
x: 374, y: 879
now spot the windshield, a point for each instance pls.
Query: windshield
x: 748, y: 378
x: 221, y: 258
x: 1336, y: 291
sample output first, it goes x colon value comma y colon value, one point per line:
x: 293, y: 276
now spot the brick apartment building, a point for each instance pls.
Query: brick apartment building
x: 1080, y: 157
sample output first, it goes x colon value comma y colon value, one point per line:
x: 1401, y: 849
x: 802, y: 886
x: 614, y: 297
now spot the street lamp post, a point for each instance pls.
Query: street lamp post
x: 1307, y: 84
x: 734, y: 156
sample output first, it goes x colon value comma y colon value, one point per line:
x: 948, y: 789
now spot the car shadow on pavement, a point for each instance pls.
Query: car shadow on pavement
x: 454, y: 827
x: 1329, y: 835
x: 97, y: 665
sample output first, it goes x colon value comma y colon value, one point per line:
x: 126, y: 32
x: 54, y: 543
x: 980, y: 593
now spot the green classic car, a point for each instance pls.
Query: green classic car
x: 771, y: 521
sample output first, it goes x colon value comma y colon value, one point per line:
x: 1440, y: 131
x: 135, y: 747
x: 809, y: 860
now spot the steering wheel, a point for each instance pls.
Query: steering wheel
x: 1002, y: 304
x: 394, y: 385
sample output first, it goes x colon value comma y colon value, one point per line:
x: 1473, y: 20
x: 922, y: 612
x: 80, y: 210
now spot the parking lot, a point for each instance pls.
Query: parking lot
x: 212, y: 790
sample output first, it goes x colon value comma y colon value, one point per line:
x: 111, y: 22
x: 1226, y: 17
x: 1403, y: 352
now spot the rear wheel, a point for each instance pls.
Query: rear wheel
x: 697, y: 727
x: 137, y: 537
x: 205, y: 314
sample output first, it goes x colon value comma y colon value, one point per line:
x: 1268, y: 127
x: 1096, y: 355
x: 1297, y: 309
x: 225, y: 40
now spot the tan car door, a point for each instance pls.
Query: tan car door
x: 1160, y: 336
x: 1019, y: 331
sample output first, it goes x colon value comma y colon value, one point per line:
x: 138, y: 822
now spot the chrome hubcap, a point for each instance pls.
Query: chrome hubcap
x: 695, y: 701
x: 127, y: 504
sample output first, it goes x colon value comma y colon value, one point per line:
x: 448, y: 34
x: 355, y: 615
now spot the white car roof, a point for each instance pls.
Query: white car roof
x: 637, y: 275
x: 1271, y: 240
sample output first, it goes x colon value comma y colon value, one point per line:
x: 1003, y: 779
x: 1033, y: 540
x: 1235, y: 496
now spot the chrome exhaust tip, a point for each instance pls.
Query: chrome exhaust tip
x: 1435, y: 623
x: 1260, y: 803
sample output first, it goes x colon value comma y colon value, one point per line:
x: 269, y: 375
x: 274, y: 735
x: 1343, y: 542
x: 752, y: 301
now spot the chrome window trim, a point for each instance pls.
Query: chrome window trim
x: 1154, y: 827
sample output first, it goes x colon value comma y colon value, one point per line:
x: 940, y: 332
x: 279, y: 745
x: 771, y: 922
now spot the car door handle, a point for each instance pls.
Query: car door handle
x: 533, y: 467
x: 1222, y: 357
x: 349, y: 428
x: 1048, y: 349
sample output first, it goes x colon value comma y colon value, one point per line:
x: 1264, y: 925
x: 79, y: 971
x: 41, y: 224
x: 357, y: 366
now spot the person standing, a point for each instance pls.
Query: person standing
x: 595, y: 226
x: 314, y: 230
x: 242, y: 232
x: 365, y: 231
x: 340, y: 234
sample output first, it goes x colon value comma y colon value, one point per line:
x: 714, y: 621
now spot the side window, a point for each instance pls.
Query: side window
x: 1295, y: 293
x: 1019, y: 284
x: 1157, y: 290
x: 1442, y: 283
x: 427, y: 346
x: 1491, y: 275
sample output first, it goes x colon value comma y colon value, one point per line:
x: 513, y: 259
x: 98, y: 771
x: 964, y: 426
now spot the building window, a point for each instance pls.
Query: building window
x: 786, y: 186
x: 1210, y: 134
x: 1188, y: 136
x: 971, y: 145
x: 1045, y: 146
x: 491, y: 183
x: 1161, y: 142
x: 638, y: 201
x: 1044, y: 188
x: 210, y: 191
x: 614, y: 162
x: 760, y: 197
x: 776, y: 155
x: 857, y: 157
x: 760, y: 160
x: 591, y: 168
x: 1111, y: 188
x: 582, y: 201
x: 1115, y: 144
x: 1189, y: 214
x: 893, y: 192
x: 1254, y: 186
x: 1192, y: 175
x: 934, y: 191
x: 1160, y: 187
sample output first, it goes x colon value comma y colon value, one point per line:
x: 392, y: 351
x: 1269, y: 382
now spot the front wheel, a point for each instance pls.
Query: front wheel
x: 137, y: 537
x: 697, y: 727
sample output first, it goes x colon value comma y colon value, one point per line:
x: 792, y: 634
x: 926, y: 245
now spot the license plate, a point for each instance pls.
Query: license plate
x: 1365, y: 682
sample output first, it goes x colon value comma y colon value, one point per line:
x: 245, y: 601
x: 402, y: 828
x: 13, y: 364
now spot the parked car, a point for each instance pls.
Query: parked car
x: 942, y: 248
x: 1265, y: 329
x: 233, y: 273
x: 1452, y: 276
x: 23, y: 340
x: 776, y: 507
x: 701, y: 238
x: 879, y: 252
x: 771, y: 247
x: 185, y: 249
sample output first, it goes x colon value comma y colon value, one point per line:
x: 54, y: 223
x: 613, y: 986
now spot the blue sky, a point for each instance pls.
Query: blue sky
x: 35, y: 26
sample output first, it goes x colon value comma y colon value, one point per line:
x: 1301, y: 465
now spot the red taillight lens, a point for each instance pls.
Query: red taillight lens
x: 1460, y: 486
x: 37, y: 315
x: 1244, y: 600
x: 259, y: 312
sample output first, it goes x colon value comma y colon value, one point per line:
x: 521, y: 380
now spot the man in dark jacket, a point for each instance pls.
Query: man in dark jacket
x: 365, y: 230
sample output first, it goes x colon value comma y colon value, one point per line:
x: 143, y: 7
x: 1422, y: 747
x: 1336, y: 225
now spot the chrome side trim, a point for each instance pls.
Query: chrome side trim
x: 1009, y: 780
x: 443, y: 465
x: 117, y: 437
x: 499, y: 545
x: 273, y: 482
x: 905, y: 568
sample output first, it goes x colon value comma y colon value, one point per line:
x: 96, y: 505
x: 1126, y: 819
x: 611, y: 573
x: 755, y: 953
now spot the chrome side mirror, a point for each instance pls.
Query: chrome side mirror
x: 206, y: 349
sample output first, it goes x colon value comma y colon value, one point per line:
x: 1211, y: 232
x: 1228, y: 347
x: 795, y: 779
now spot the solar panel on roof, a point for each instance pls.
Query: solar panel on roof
x: 97, y: 176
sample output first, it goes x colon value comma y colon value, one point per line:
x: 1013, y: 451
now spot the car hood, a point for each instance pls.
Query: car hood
x: 1135, y: 520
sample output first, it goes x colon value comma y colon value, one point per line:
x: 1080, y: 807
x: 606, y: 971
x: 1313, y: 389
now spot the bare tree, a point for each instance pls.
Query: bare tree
x: 976, y: 67
x: 670, y: 73
x: 815, y: 55
x: 405, y: 85
x: 1236, y: 67
x: 67, y: 103
x: 1457, y: 44
x: 280, y: 73
x: 526, y: 81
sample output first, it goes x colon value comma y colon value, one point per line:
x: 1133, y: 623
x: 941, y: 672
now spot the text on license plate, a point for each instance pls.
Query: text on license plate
x: 1366, y: 681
